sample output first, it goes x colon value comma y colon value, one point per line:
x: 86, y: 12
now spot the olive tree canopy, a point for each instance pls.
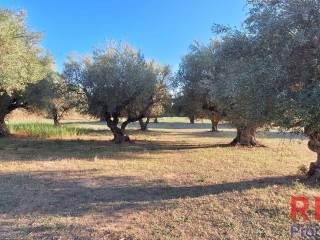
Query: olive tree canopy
x: 290, y: 31
x: 240, y: 82
x: 56, y: 97
x: 118, y: 82
x: 21, y: 63
x: 160, y: 97
x: 194, y: 68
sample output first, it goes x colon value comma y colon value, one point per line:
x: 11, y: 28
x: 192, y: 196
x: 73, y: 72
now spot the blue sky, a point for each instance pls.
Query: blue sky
x: 162, y: 29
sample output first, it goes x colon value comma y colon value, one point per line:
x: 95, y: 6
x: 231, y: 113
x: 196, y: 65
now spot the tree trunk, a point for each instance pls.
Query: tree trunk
x: 144, y: 125
x: 3, y: 128
x: 56, y: 120
x: 314, y: 145
x: 55, y: 116
x: 246, y: 136
x: 119, y: 137
x: 215, y: 119
x: 191, y: 118
x: 124, y: 125
x: 156, y: 120
x: 118, y: 134
x: 4, y: 110
x: 7, y: 105
x: 214, y: 124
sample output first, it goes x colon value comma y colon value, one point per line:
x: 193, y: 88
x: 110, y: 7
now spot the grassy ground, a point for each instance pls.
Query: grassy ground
x: 44, y: 129
x: 176, y: 181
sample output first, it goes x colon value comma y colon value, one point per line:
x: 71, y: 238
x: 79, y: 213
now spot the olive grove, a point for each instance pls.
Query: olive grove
x: 264, y: 74
x: 267, y: 73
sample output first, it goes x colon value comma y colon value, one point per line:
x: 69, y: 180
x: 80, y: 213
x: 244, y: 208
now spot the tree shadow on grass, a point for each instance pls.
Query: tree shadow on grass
x: 225, y: 130
x: 231, y: 133
x: 29, y: 149
x: 61, y: 193
x: 179, y: 125
x: 160, y: 125
x: 129, y: 132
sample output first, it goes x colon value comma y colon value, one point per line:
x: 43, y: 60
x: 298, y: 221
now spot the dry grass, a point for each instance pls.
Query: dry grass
x: 176, y: 181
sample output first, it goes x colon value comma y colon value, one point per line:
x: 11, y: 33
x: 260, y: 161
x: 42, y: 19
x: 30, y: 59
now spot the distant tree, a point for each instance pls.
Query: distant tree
x: 65, y: 97
x: 56, y: 97
x: 168, y: 110
x: 160, y: 97
x: 21, y: 63
x: 194, y: 68
x: 214, y: 117
x: 155, y: 111
x: 190, y: 104
x: 117, y: 81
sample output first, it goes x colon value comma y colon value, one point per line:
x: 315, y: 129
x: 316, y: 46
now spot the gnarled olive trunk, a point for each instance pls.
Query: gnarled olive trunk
x: 246, y: 136
x: 5, y: 108
x: 7, y: 105
x: 214, y: 126
x: 118, y: 133
x: 55, y: 117
x: 144, y: 125
x: 314, y: 145
x: 214, y: 123
x: 3, y: 128
x: 191, y: 118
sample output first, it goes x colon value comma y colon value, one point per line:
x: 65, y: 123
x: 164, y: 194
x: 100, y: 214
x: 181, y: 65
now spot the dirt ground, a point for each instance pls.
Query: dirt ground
x: 175, y: 181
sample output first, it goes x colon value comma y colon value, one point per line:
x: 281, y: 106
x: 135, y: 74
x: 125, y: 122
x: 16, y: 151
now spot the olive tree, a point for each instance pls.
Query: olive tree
x: 161, y: 96
x: 195, y: 67
x: 21, y: 63
x: 56, y: 97
x: 292, y: 37
x: 240, y: 82
x: 185, y: 104
x: 270, y: 70
x: 230, y: 78
x: 118, y: 83
x: 64, y: 97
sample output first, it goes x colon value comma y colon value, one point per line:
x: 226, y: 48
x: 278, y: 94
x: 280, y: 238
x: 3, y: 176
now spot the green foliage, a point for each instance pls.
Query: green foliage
x: 267, y: 74
x: 45, y: 130
x: 56, y: 96
x: 154, y: 105
x: 118, y: 82
x: 20, y: 56
x: 21, y: 63
x: 293, y: 37
x: 193, y: 68
x: 113, y: 79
